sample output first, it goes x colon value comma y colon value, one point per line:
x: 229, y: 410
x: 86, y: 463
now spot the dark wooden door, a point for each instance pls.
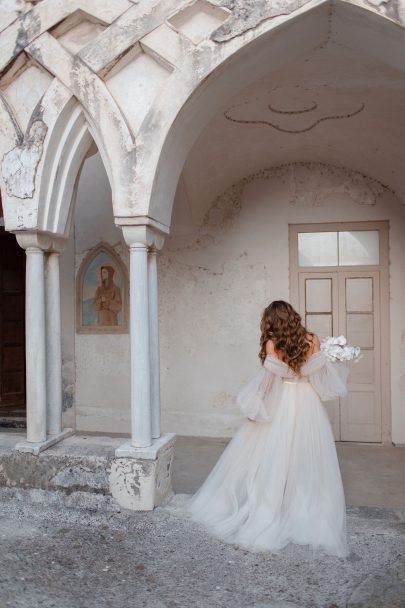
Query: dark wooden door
x: 12, y: 325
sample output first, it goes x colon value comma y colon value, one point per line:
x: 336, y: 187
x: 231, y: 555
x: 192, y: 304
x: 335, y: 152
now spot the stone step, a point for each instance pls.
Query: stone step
x: 84, y: 471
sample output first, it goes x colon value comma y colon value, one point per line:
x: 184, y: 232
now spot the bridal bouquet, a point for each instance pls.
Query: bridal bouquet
x: 337, y: 349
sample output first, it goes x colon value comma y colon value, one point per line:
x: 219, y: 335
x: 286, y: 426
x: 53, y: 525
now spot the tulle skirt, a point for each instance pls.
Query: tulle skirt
x: 278, y: 482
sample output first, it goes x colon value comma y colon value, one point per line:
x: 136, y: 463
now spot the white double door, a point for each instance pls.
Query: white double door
x: 348, y: 302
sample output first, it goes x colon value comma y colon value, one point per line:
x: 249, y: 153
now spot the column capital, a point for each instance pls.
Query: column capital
x: 43, y: 241
x: 58, y: 244
x: 33, y: 240
x: 143, y: 237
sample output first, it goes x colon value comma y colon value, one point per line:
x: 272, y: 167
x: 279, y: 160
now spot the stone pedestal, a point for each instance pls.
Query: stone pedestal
x: 36, y: 447
x: 140, y: 478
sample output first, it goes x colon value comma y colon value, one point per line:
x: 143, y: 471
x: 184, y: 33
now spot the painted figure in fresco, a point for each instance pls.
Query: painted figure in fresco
x: 107, y: 299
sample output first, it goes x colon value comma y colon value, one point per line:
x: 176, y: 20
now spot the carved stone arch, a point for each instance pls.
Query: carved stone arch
x: 61, y: 167
x: 67, y: 139
x: 106, y: 121
x: 83, y: 325
x: 64, y: 157
x: 76, y: 106
x: 230, y: 70
x: 68, y: 135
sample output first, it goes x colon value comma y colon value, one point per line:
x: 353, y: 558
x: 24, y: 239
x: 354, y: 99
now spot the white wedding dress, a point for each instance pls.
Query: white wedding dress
x: 278, y: 480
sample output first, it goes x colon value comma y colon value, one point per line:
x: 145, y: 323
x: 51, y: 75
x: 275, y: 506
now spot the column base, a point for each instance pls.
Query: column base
x: 140, y: 478
x: 36, y: 447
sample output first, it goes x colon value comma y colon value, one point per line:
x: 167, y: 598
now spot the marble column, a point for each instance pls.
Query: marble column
x: 141, y: 416
x: 35, y: 345
x: 53, y: 344
x: 154, y: 343
x: 140, y: 476
x: 42, y: 342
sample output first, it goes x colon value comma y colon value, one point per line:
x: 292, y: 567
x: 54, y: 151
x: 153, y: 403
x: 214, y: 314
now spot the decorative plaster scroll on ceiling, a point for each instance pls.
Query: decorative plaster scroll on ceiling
x: 199, y: 20
x: 293, y: 115
x: 311, y: 108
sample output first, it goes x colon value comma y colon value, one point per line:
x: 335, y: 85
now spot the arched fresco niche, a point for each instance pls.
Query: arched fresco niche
x: 102, y: 293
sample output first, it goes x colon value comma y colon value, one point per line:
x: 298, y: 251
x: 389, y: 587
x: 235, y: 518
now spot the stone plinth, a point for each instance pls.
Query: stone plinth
x: 89, y: 471
x: 140, y: 478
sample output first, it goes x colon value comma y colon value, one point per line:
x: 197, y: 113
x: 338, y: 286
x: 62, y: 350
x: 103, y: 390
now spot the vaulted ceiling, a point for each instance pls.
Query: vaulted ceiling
x: 336, y: 104
x: 330, y: 106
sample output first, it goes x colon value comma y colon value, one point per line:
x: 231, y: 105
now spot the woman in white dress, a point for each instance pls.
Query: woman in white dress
x: 278, y: 480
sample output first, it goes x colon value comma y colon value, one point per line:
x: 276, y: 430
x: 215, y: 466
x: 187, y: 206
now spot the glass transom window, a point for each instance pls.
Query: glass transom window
x: 339, y: 248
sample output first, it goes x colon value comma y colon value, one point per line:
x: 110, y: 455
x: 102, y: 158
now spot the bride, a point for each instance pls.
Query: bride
x: 278, y: 480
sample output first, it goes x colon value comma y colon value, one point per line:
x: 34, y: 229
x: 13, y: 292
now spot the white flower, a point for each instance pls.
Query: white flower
x: 337, y: 349
x: 341, y: 340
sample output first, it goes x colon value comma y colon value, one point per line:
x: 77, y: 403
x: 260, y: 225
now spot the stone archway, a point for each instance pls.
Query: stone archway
x: 144, y: 85
x: 361, y: 31
x: 373, y: 147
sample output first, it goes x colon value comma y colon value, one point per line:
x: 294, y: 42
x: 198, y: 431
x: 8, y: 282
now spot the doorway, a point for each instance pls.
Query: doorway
x: 12, y: 329
x: 339, y: 284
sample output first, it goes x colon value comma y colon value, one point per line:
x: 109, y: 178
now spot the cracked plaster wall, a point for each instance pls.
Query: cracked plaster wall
x: 95, y: 367
x: 216, y: 278
x: 68, y: 336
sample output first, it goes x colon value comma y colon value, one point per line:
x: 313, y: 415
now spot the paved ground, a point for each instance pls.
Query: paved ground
x: 373, y: 475
x: 79, y: 559
x: 103, y: 558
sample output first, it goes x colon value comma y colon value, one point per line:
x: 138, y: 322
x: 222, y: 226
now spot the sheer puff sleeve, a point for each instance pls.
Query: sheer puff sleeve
x: 328, y: 379
x: 255, y: 398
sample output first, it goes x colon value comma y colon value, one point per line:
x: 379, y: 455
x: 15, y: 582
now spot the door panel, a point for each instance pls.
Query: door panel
x: 12, y: 332
x: 339, y: 282
x: 347, y: 302
x: 363, y: 372
x: 321, y: 317
x: 318, y: 296
x: 360, y: 329
x: 360, y: 411
x: 359, y: 294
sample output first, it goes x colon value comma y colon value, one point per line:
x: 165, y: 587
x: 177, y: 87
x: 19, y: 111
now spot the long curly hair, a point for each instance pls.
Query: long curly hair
x: 283, y: 325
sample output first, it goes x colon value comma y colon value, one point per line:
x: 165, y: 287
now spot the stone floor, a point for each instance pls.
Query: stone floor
x: 373, y: 475
x: 101, y: 557
x: 76, y: 558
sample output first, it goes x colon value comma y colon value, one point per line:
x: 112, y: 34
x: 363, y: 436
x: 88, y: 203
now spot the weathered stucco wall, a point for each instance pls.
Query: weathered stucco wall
x: 67, y: 286
x: 101, y: 361
x: 216, y: 276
